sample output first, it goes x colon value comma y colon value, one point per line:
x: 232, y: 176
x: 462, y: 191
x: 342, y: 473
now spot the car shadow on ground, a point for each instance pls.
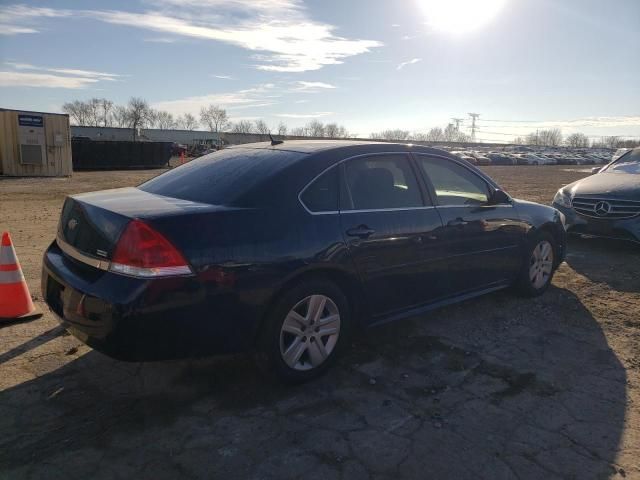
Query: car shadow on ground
x: 496, y: 387
x: 606, y: 261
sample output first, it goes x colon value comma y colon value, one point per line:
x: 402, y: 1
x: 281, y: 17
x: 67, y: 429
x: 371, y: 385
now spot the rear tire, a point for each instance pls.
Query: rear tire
x: 538, y: 265
x: 304, y: 331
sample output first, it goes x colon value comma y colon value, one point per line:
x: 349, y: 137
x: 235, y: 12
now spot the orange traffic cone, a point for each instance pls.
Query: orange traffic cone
x: 15, y: 300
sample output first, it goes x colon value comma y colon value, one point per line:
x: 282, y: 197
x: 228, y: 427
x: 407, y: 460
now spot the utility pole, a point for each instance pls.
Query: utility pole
x: 474, y: 117
x: 457, y: 121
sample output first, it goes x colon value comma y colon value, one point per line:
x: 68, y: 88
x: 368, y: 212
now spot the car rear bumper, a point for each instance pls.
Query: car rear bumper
x: 139, y: 319
x: 621, y: 229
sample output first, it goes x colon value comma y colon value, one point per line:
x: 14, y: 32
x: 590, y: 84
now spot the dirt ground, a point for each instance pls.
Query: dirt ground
x: 497, y: 387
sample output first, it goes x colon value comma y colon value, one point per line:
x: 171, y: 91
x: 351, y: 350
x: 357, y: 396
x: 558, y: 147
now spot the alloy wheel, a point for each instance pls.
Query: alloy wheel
x: 310, y: 332
x: 541, y: 264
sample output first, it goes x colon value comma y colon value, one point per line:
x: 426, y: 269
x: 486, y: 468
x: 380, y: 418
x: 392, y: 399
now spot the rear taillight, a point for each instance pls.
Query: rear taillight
x: 143, y: 252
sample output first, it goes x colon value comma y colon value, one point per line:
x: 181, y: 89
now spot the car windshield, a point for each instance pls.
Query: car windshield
x: 628, y: 163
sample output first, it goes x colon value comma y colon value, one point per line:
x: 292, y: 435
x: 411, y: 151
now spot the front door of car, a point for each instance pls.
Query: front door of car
x: 391, y: 231
x: 482, y: 239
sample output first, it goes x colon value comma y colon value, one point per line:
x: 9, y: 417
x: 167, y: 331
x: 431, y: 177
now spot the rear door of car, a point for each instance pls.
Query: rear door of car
x: 482, y: 241
x: 392, y: 231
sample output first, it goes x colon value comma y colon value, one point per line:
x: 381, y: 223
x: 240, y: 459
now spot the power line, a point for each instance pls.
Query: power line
x: 513, y: 121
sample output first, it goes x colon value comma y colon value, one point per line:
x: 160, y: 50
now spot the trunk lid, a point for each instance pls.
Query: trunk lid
x: 91, y: 223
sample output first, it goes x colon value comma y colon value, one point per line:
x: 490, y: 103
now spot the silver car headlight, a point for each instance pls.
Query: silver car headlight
x: 562, y: 198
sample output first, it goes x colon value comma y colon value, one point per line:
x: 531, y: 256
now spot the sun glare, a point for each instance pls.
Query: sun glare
x: 460, y: 16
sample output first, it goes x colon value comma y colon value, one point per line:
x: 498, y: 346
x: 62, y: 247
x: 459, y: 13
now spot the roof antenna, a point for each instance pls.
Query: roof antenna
x: 274, y: 142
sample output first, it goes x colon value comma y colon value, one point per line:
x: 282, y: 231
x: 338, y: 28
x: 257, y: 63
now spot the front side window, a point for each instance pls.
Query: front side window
x: 453, y: 183
x: 322, y: 194
x: 380, y: 182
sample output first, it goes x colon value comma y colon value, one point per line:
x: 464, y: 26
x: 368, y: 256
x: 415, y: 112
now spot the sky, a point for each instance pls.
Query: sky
x: 369, y: 65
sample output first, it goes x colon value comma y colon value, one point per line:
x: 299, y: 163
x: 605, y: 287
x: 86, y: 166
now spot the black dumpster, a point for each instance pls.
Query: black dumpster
x: 112, y: 155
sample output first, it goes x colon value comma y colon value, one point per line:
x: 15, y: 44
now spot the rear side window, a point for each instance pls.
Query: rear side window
x: 322, y: 194
x: 380, y: 182
x: 453, y: 183
x: 221, y: 178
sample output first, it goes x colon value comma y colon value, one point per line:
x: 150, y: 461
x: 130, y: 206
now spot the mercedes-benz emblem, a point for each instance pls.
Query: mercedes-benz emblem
x: 72, y: 223
x: 602, y: 208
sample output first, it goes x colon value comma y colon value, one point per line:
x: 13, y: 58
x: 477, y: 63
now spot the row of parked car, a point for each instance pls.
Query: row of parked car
x: 534, y: 158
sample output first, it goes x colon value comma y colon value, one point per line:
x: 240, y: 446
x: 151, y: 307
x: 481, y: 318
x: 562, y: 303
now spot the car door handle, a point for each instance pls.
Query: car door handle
x: 458, y: 222
x: 361, y: 231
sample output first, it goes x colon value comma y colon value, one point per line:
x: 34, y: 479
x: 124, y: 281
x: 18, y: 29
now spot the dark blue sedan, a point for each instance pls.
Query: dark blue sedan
x: 289, y: 249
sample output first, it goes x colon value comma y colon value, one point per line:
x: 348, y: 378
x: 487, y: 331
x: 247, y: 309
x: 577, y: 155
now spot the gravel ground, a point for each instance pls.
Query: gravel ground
x: 496, y: 387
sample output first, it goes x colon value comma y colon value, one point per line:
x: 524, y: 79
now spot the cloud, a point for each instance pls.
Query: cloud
x: 312, y: 87
x: 259, y: 96
x: 294, y: 43
x: 13, y: 30
x: 304, y: 115
x: 19, y: 19
x: 280, y: 32
x: 252, y: 105
x: 223, y: 77
x: 47, y: 77
x: 409, y: 62
x: 160, y: 40
x: 585, y: 122
x: 22, y: 79
x: 66, y: 71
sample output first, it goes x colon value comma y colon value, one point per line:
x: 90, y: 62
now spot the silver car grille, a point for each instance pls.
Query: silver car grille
x: 606, y: 207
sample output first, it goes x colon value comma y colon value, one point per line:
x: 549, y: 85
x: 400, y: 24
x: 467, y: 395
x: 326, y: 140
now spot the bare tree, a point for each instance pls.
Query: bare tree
x: 215, y: 118
x: 164, y: 120
x: 261, y: 127
x: 187, y: 122
x: 299, y: 132
x: 106, y: 111
x: 315, y: 128
x: 120, y: 116
x: 139, y: 114
x: 77, y: 111
x: 417, y: 137
x: 396, y: 134
x: 343, y: 132
x: 628, y: 143
x: 463, y: 137
x: 435, y: 135
x: 282, y: 129
x: 611, y: 141
x: 451, y: 133
x: 577, y: 140
x: 243, y: 126
x: 551, y: 137
x: 332, y: 130
x: 94, y: 111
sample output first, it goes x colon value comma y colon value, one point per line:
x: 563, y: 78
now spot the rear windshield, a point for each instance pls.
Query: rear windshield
x: 221, y: 178
x: 627, y: 163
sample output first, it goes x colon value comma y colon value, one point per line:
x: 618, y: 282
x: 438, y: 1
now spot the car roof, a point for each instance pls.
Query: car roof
x: 314, y: 146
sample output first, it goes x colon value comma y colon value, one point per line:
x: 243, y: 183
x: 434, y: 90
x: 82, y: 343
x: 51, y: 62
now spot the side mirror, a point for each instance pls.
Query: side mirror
x: 498, y: 197
x: 595, y: 170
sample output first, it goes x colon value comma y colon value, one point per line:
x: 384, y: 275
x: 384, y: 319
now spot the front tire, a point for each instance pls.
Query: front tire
x: 539, y: 265
x: 304, y: 331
